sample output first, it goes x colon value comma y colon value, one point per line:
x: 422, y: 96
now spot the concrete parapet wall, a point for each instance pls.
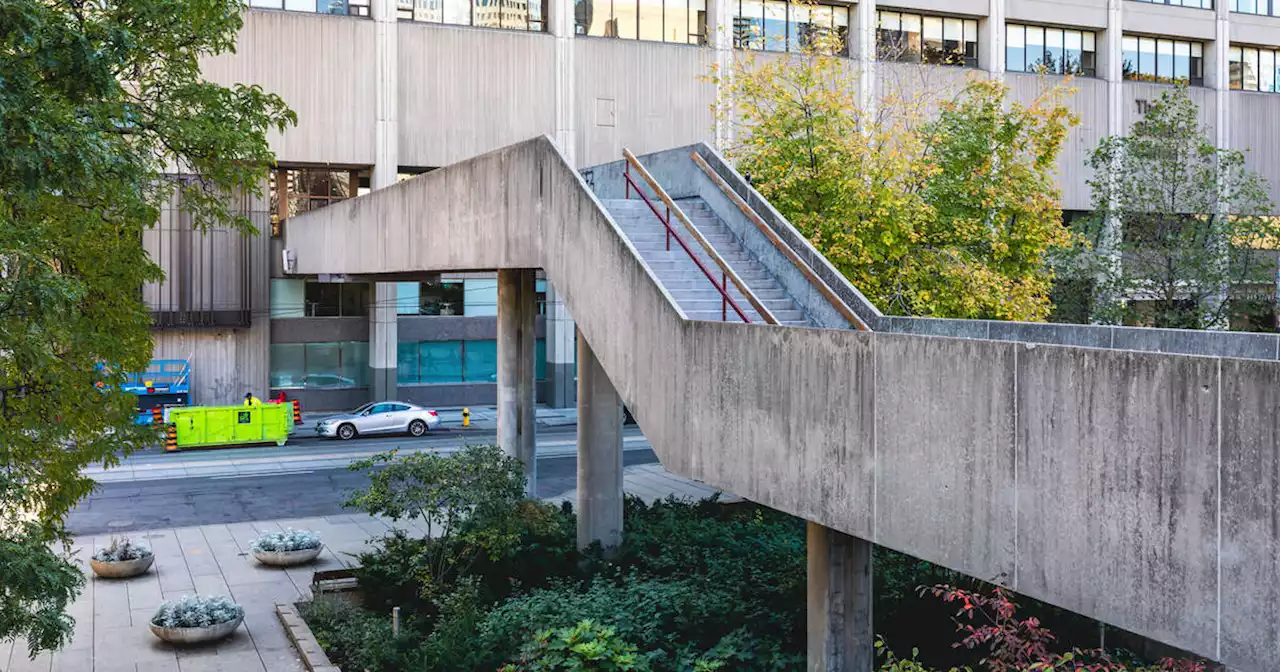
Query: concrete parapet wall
x: 1139, y: 488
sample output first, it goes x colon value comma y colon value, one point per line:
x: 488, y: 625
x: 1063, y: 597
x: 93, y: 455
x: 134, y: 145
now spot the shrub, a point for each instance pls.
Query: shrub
x: 585, y: 647
x: 196, y: 612
x: 122, y: 549
x: 289, y: 540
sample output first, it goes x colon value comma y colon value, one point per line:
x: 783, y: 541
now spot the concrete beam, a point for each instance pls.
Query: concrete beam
x: 599, y: 453
x: 841, y: 636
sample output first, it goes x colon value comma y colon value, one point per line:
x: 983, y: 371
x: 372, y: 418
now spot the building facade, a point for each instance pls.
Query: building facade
x: 393, y: 88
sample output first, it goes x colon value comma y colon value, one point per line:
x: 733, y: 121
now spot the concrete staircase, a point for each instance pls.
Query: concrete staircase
x: 687, y: 284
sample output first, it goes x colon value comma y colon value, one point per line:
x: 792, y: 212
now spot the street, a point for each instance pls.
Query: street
x: 307, y: 477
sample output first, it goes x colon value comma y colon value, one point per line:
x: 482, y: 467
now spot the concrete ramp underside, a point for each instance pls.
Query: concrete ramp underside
x: 1136, y: 488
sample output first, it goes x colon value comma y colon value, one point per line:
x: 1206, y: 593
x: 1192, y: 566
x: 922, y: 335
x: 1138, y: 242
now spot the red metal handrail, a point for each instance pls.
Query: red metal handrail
x: 723, y: 288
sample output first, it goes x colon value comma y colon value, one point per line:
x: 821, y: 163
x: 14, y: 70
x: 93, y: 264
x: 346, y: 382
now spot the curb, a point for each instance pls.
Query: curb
x: 303, y: 641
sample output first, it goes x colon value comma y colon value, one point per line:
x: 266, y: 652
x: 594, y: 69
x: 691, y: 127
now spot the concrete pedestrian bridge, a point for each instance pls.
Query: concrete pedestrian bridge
x: 1130, y: 475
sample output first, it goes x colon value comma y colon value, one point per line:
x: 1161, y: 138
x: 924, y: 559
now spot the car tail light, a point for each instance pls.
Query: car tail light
x: 432, y: 414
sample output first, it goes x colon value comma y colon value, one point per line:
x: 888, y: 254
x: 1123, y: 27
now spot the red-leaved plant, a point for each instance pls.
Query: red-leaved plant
x: 1023, y: 645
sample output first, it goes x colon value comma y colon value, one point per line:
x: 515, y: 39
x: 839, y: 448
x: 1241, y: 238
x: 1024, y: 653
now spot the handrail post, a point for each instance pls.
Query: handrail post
x: 626, y: 170
x: 668, y: 227
x: 724, y: 297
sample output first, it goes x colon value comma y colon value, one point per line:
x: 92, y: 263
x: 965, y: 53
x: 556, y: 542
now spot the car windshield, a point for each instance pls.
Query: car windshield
x: 362, y: 409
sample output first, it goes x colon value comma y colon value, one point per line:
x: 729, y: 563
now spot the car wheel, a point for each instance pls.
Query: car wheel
x: 417, y: 428
x: 346, y: 432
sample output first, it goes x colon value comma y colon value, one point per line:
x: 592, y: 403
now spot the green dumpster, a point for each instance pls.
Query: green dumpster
x: 204, y: 426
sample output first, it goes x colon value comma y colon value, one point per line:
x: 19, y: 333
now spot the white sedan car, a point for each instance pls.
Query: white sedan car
x: 383, y: 417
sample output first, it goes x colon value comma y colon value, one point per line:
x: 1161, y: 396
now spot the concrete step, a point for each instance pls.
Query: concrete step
x: 706, y: 293
x: 792, y: 317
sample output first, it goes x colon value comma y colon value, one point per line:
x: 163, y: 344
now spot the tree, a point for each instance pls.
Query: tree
x: 1176, y: 223
x: 930, y: 206
x: 99, y: 101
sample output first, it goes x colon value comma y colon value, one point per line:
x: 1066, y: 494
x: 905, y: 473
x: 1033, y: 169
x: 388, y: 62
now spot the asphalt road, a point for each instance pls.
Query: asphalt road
x: 141, y: 505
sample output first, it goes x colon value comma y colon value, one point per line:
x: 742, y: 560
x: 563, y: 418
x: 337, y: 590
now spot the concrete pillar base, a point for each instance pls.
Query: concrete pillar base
x: 516, y: 386
x: 599, y: 453
x: 841, y: 635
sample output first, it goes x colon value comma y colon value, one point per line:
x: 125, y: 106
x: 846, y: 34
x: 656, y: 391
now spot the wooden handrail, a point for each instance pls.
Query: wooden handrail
x: 826, y: 291
x: 697, y: 235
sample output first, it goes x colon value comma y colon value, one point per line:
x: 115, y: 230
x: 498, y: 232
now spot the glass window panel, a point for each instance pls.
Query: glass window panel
x: 324, y: 366
x: 698, y: 21
x: 911, y: 31
x: 407, y: 298
x: 480, y: 361
x: 1235, y: 67
x: 1250, y: 69
x: 1072, y: 52
x: 931, y: 29
x: 675, y: 23
x: 407, y: 363
x: 651, y: 20
x: 540, y: 359
x: 1089, y: 42
x: 515, y: 14
x: 593, y: 16
x: 890, y: 21
x: 323, y: 299
x: 1088, y: 64
x: 799, y: 26
x: 536, y: 21
x: 953, y: 39
x: 1267, y: 72
x: 841, y: 18
x: 355, y: 299
x: 1164, y: 60
x: 971, y: 43
x: 457, y: 12
x: 1129, y: 45
x: 288, y: 298
x: 440, y: 361
x: 355, y: 363
x: 1035, y: 48
x: 288, y: 364
x: 1182, y: 61
x: 1015, y: 48
x: 625, y: 13
x: 749, y: 26
x: 1054, y: 50
x: 1147, y: 58
x: 1247, y: 6
x: 269, y: 4
x: 775, y: 26
x: 300, y: 5
x: 1195, y: 50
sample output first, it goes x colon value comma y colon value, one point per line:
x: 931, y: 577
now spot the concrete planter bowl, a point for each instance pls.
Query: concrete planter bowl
x: 208, y: 633
x: 288, y: 558
x: 121, y: 569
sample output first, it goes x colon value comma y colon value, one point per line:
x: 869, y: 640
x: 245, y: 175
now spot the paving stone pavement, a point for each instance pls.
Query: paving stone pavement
x: 111, y: 633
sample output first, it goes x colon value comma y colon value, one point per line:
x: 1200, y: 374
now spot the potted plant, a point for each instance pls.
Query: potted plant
x: 122, y: 559
x: 288, y: 548
x: 195, y: 619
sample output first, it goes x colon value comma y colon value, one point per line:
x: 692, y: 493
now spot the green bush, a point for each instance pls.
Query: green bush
x: 357, y: 639
x: 585, y: 647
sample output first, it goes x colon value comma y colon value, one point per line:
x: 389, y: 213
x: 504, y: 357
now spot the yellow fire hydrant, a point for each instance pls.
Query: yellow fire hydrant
x: 466, y: 417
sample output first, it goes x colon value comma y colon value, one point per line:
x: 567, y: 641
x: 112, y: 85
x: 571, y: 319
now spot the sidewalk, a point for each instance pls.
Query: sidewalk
x: 111, y: 633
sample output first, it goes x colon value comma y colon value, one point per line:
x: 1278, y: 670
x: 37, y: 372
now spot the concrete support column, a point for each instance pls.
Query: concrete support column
x: 383, y: 333
x: 562, y: 390
x: 599, y: 453
x: 516, y: 336
x: 841, y: 636
x: 561, y: 26
x: 993, y: 36
x: 1112, y: 67
x: 383, y: 340
x: 720, y: 39
x: 863, y: 48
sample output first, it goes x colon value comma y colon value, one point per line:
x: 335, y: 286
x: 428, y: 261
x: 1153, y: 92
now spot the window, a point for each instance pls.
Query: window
x: 505, y: 14
x: 345, y: 7
x: 1254, y: 69
x: 433, y: 297
x: 1263, y: 7
x: 428, y: 362
x: 309, y: 189
x: 677, y: 21
x: 336, y: 299
x: 1157, y: 59
x: 916, y: 38
x: 1055, y: 51
x: 1199, y: 4
x: 786, y: 26
x: 319, y: 365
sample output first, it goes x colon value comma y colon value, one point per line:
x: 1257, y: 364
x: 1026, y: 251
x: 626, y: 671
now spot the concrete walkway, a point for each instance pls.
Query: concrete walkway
x: 111, y: 632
